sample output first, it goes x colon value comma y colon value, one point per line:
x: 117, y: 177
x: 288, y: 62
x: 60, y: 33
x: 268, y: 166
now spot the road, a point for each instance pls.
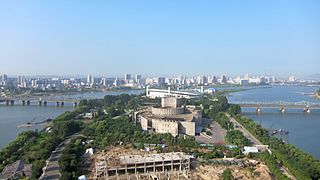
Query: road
x: 52, y: 169
x: 246, y: 133
x: 255, y: 141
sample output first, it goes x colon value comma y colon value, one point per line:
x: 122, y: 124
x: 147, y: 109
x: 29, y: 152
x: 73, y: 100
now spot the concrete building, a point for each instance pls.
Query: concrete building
x: 292, y: 79
x: 155, y: 165
x: 127, y: 78
x: 3, y: 80
x: 171, y: 117
x: 138, y: 79
x: 160, y: 81
x: 90, y: 80
x: 160, y: 93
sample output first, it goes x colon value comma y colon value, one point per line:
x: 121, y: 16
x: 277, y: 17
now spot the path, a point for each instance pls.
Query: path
x: 52, y: 169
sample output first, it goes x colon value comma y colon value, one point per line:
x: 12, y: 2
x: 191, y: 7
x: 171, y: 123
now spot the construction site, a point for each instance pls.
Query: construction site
x: 129, y: 163
x: 143, y: 166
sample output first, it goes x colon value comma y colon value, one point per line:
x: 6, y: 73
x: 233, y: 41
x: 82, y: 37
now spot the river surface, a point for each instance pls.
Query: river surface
x: 12, y: 116
x: 303, y: 127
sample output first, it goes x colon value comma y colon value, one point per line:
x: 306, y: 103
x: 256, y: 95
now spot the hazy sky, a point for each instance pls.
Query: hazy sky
x: 159, y: 37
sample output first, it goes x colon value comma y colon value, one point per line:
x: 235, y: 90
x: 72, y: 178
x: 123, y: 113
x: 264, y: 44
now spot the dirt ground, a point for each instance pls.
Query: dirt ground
x: 201, y: 172
x: 214, y: 172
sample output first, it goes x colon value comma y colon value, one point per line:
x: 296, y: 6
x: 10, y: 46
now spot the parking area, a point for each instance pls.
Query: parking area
x: 216, y: 133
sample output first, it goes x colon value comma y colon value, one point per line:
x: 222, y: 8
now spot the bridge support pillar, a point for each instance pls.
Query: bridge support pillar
x: 307, y: 110
x: 75, y: 104
x: 258, y: 109
x: 45, y: 103
x: 28, y: 103
x: 62, y: 103
x: 58, y: 103
x: 40, y: 103
x: 7, y: 102
x: 23, y: 102
x: 12, y: 102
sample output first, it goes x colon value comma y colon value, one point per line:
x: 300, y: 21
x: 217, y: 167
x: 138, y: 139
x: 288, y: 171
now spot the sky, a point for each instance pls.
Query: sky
x: 79, y: 37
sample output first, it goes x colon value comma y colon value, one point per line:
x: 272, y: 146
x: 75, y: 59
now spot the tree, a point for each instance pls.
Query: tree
x: 227, y: 174
x: 37, y: 166
x: 234, y: 109
x: 83, y: 102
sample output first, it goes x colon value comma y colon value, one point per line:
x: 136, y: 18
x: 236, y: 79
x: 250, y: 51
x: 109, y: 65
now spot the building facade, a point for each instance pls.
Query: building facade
x: 171, y: 117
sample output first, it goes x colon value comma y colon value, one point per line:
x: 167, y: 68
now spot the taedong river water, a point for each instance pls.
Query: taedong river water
x: 303, y: 127
x: 12, y: 116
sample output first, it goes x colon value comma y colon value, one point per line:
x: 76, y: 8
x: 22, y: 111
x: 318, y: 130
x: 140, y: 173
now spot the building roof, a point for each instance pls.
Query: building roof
x: 250, y: 149
x: 16, y: 170
x: 137, y: 159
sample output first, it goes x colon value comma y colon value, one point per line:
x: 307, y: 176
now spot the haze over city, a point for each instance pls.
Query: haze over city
x: 160, y: 38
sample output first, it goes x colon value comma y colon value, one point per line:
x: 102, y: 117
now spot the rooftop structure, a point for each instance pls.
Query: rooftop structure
x: 160, y: 93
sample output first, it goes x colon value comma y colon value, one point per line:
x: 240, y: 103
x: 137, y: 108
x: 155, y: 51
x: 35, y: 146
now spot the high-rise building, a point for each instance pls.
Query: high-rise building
x: 292, y: 79
x: 90, y: 80
x: 246, y: 77
x: 138, y: 79
x: 127, y: 78
x: 21, y: 82
x: 224, y: 79
x: 161, y: 81
x: 3, y: 79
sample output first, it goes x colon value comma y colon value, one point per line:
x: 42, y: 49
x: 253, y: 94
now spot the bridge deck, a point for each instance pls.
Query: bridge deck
x: 290, y: 106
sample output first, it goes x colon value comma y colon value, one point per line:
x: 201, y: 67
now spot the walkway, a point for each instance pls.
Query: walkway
x: 52, y: 169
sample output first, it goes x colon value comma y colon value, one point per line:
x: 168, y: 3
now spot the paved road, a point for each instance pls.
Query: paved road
x: 218, y: 133
x: 52, y: 169
x: 245, y: 132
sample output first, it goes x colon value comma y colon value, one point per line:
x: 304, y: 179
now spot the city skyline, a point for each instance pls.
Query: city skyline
x: 161, y: 39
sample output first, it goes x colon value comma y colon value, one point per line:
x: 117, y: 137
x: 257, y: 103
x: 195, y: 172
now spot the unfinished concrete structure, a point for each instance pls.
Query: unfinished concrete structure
x: 171, y: 117
x: 143, y: 166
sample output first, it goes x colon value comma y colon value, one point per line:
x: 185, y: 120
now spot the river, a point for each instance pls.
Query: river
x: 303, y: 127
x: 12, y: 116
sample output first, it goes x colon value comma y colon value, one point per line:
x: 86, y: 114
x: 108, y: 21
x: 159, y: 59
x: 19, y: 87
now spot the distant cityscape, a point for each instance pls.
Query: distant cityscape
x: 138, y: 81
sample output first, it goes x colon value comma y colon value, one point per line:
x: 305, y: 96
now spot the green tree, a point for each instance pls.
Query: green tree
x: 227, y: 174
x: 234, y: 109
x: 36, y: 170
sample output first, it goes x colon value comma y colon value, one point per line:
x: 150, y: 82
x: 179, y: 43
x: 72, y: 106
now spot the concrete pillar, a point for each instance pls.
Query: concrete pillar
x: 58, y: 103
x: 28, y: 103
x: 12, y: 102
x: 23, y: 102
x: 7, y: 102
x: 40, y: 103
x: 75, y: 104
x: 258, y: 110
x: 45, y: 103
x: 62, y: 103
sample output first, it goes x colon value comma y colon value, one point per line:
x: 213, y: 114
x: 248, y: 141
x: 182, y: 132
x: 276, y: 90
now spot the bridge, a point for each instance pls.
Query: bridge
x: 10, y: 101
x: 281, y: 105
